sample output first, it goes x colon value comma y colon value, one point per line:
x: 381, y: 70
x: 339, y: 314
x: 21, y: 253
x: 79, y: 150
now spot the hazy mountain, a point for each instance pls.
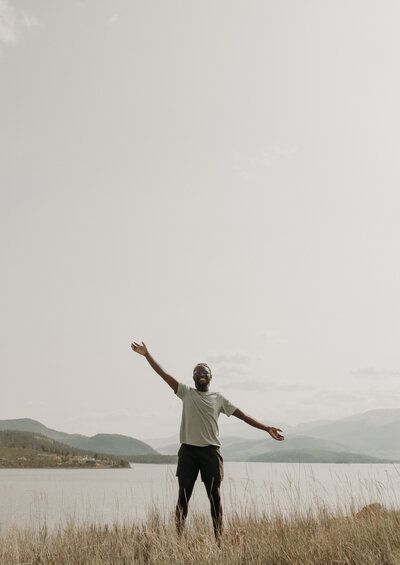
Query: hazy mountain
x: 232, y: 427
x: 244, y: 451
x: 161, y: 442
x: 375, y: 432
x: 315, y: 456
x: 171, y: 449
x: 303, y: 428
x: 237, y: 449
x: 112, y: 444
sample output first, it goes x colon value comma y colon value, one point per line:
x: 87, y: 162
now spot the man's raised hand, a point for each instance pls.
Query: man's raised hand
x: 142, y: 349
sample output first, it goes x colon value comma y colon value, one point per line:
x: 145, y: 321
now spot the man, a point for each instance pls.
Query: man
x: 200, y: 445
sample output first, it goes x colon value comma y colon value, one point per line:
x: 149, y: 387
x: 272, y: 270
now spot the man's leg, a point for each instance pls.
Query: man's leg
x: 185, y: 492
x: 214, y: 495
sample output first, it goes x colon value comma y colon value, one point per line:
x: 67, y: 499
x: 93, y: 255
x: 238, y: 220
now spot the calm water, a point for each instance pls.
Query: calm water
x: 32, y: 496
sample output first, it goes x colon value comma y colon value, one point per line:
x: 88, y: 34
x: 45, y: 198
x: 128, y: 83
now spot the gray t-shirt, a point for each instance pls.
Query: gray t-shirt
x: 200, y: 411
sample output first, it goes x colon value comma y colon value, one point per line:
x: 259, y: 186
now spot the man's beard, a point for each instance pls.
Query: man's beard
x: 202, y: 386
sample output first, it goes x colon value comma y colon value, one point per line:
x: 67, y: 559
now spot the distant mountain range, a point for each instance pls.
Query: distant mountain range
x: 374, y: 433
x: 113, y: 444
x: 368, y: 437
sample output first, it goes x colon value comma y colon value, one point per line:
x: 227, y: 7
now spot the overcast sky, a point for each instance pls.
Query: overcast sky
x: 219, y: 179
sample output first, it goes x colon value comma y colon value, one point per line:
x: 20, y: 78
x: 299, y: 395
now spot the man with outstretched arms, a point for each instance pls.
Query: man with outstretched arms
x: 200, y: 445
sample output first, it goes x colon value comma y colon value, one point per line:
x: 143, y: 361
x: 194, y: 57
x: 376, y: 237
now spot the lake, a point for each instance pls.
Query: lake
x: 54, y: 496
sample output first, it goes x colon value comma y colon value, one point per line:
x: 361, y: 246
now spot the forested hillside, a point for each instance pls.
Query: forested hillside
x: 27, y: 449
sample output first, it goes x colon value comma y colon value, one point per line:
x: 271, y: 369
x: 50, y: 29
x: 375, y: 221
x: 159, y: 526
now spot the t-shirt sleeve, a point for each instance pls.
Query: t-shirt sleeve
x: 181, y: 391
x: 227, y: 407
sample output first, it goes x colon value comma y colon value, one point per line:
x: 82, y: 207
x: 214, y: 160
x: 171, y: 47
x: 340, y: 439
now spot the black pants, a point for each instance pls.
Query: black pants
x: 207, y: 460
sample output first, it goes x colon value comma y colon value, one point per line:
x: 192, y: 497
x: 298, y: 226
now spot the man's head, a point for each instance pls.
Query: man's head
x: 202, y: 377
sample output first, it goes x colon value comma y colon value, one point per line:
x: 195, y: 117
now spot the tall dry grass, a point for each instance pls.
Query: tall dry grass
x: 371, y: 536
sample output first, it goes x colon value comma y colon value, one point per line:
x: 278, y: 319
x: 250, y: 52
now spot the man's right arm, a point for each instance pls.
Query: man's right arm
x: 142, y: 350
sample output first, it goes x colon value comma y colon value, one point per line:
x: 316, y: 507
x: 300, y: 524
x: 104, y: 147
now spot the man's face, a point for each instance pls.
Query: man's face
x: 202, y: 377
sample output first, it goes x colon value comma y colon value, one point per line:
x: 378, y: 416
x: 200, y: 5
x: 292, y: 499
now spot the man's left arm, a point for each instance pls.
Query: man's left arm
x: 273, y: 432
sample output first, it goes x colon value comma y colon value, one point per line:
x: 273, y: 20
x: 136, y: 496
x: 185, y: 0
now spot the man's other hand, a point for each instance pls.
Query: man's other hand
x: 141, y: 349
x: 274, y: 432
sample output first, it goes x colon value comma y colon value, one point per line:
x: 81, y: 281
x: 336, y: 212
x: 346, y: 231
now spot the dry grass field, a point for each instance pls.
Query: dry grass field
x: 371, y: 536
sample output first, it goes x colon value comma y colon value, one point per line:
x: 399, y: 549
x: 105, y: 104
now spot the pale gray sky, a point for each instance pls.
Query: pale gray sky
x: 219, y: 179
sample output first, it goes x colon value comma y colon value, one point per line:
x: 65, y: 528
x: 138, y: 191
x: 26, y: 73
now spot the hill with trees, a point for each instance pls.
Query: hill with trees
x: 113, y: 444
x: 113, y: 447
x: 32, y: 450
